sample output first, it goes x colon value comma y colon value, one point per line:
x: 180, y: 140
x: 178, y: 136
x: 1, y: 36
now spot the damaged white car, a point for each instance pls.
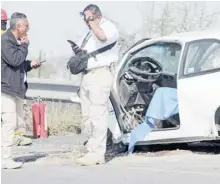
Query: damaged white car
x: 172, y: 85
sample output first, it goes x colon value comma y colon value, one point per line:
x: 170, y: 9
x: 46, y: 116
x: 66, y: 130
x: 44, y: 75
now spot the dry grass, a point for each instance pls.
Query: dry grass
x: 62, y: 118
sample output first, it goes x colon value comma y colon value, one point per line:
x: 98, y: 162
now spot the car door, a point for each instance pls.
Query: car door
x: 199, y: 88
x: 168, y: 52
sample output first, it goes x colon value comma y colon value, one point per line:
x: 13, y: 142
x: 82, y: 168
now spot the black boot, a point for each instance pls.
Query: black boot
x: 113, y: 149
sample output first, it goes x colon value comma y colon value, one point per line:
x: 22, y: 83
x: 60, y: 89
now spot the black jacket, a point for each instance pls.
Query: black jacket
x: 13, y: 65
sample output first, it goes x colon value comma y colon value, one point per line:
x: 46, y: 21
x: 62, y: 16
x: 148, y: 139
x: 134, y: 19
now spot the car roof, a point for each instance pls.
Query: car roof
x: 179, y: 37
x: 195, y: 35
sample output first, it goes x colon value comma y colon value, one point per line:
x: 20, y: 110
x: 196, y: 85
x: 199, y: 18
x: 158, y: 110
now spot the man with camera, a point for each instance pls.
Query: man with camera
x: 14, y: 68
x: 96, y: 82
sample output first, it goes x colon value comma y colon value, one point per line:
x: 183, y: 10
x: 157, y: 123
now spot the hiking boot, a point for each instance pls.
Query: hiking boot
x: 10, y: 164
x: 80, y: 152
x: 115, y: 150
x: 90, y: 159
x: 21, y: 140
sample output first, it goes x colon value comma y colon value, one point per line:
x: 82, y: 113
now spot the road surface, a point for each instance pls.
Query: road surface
x: 51, y: 162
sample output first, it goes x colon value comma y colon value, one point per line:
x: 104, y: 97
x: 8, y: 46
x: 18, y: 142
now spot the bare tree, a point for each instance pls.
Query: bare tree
x: 178, y: 17
x: 125, y: 41
x: 205, y: 20
x: 148, y: 21
x: 184, y: 24
x: 195, y: 17
x: 164, y: 25
x: 201, y: 18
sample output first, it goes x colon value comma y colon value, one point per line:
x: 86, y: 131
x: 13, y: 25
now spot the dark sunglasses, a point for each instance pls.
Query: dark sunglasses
x: 81, y: 14
x: 84, y: 16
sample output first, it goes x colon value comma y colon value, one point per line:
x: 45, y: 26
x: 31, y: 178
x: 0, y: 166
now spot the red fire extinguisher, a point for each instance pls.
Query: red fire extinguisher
x: 40, y: 129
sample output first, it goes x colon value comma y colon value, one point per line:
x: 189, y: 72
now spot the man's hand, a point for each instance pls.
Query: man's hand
x: 88, y: 16
x: 24, y: 40
x: 35, y: 64
x: 89, y: 19
x: 75, y: 49
x: 98, y: 31
x: 93, y: 23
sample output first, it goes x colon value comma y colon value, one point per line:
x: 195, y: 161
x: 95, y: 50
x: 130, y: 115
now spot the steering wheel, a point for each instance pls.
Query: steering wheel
x: 145, y: 69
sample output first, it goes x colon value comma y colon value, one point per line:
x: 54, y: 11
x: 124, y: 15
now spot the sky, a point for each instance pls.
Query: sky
x: 52, y: 23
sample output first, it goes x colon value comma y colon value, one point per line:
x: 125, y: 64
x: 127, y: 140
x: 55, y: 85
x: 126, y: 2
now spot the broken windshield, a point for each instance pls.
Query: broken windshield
x: 166, y: 53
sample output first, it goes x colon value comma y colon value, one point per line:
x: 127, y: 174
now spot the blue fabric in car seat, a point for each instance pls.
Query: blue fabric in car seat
x: 163, y: 105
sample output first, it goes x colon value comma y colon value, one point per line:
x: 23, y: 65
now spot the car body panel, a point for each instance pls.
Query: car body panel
x: 199, y: 98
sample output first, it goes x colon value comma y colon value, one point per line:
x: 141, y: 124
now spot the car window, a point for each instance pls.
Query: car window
x: 202, y: 56
x: 167, y: 54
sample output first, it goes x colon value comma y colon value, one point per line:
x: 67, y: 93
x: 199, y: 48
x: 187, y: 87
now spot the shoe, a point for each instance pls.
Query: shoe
x: 80, y: 152
x: 21, y: 140
x: 90, y: 159
x: 11, y: 164
x: 115, y: 150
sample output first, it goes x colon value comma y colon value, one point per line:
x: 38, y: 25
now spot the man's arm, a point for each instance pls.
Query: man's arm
x: 112, y: 35
x: 12, y: 56
x: 28, y: 66
x: 98, y: 31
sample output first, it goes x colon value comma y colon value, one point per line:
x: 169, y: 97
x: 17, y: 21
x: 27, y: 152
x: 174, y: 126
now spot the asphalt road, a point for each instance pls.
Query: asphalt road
x: 165, y: 167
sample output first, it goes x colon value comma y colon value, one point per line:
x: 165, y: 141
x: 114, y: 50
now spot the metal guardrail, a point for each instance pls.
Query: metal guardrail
x: 50, y: 89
